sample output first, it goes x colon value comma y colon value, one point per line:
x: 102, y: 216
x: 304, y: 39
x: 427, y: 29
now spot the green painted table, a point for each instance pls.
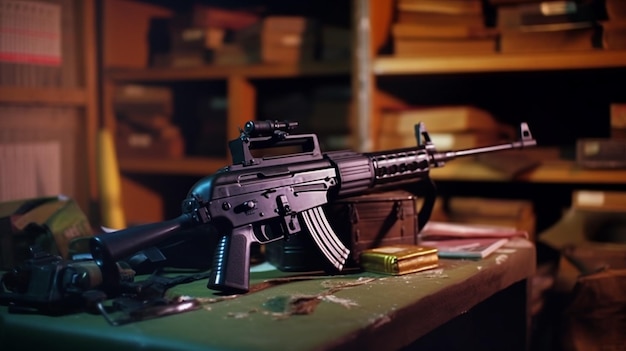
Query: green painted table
x: 462, y: 304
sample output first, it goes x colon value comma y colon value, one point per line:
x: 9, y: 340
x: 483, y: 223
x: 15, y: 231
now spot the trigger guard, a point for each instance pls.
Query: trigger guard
x: 261, y: 234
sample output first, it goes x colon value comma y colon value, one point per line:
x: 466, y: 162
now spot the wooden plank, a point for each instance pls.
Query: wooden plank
x: 184, y: 166
x: 48, y: 96
x: 224, y: 72
x: 390, y: 65
x: 552, y: 171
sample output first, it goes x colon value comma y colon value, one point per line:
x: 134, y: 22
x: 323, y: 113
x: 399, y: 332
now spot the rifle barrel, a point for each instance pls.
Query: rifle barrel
x: 526, y: 140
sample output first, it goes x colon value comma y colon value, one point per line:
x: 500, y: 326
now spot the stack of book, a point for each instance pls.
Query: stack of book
x: 614, y: 28
x: 426, y: 27
x: 468, y: 240
x: 197, y: 37
x: 618, y: 121
x: 449, y: 127
x: 545, y: 26
x: 280, y: 39
x: 144, y: 126
x: 512, y: 213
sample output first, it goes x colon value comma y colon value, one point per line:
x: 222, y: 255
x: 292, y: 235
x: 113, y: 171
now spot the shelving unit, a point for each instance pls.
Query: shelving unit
x: 554, y: 171
x: 441, y: 80
x: 153, y: 187
x: 256, y: 71
x: 81, y: 96
x: 371, y: 73
x: 241, y: 95
x: 546, y: 61
x: 375, y: 18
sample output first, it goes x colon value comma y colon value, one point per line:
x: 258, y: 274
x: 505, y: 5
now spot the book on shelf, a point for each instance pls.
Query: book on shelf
x: 545, y: 16
x: 510, y: 2
x: 425, y: 27
x: 154, y: 144
x: 473, y: 248
x: 234, y: 54
x: 613, y: 34
x: 428, y: 18
x: 417, y: 47
x: 467, y: 240
x: 399, y: 259
x: 547, y: 26
x: 441, y: 231
x: 287, y: 24
x: 144, y: 122
x: 205, y: 16
x: 524, y: 224
x: 402, y: 30
x: 196, y: 38
x: 437, y: 119
x: 454, y: 7
x: 280, y: 39
x: 599, y: 200
x: 585, y: 225
x: 601, y: 153
x: 618, y: 120
x: 580, y: 39
x: 143, y: 99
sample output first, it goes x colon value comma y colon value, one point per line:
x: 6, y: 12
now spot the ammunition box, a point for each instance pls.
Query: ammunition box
x: 361, y: 223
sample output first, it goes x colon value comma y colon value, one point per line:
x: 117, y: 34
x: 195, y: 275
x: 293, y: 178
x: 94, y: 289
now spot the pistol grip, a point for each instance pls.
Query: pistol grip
x: 231, y: 263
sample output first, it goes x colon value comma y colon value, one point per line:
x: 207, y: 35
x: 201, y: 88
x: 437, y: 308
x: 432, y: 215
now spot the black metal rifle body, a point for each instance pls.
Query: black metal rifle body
x: 258, y: 200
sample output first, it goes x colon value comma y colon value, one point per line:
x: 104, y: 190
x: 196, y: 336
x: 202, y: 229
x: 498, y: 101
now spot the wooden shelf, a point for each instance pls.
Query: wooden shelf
x: 224, y: 72
x: 193, y: 166
x: 392, y: 65
x: 553, y: 171
x: 48, y: 96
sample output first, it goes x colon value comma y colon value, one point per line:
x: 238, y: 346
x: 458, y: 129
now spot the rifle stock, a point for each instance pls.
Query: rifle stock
x: 265, y: 199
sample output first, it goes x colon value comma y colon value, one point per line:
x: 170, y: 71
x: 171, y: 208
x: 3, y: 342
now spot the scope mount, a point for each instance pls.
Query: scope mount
x: 258, y: 135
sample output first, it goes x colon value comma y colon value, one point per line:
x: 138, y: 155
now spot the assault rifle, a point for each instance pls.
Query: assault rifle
x: 267, y: 198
